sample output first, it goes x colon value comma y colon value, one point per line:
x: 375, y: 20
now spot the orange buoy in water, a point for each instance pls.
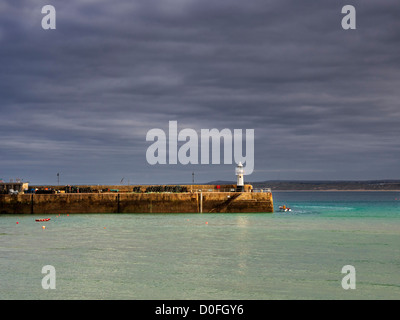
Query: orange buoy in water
x: 43, y: 227
x: 17, y: 222
x: 206, y: 222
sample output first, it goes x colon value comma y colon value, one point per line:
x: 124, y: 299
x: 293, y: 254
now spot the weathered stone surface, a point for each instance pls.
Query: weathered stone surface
x: 188, y: 202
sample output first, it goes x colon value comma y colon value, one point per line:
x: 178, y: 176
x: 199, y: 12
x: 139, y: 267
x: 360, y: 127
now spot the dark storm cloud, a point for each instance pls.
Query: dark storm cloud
x: 80, y: 99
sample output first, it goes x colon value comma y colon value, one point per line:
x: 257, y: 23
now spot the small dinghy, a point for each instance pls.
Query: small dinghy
x: 41, y: 220
x: 284, y: 208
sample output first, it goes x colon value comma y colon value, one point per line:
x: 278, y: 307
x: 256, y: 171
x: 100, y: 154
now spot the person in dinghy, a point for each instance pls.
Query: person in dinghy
x: 284, y: 208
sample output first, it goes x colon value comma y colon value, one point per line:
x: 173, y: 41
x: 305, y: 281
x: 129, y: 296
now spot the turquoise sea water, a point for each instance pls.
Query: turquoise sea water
x: 292, y: 255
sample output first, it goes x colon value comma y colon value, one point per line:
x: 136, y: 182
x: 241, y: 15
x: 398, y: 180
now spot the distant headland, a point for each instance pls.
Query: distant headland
x: 324, y: 185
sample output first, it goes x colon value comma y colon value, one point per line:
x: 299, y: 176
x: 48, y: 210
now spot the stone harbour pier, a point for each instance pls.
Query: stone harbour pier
x: 137, y: 199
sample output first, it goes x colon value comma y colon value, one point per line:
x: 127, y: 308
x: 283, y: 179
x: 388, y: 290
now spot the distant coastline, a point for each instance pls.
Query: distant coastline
x: 284, y: 185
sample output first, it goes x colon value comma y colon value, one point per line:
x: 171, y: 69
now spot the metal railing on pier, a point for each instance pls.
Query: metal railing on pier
x: 262, y: 190
x: 266, y: 190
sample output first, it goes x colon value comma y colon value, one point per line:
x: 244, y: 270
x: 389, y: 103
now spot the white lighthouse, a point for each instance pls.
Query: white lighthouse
x: 240, y: 179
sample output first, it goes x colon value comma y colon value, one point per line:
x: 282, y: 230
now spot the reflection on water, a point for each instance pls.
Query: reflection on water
x: 242, y: 222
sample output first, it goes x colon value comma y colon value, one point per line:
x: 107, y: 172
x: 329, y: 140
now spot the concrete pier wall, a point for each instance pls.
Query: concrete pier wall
x: 187, y: 202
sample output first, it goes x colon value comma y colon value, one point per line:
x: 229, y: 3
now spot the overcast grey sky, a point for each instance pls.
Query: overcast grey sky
x: 79, y: 100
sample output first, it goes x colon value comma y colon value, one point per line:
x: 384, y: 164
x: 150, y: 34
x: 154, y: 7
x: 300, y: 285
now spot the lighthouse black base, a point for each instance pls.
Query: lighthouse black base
x: 239, y: 188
